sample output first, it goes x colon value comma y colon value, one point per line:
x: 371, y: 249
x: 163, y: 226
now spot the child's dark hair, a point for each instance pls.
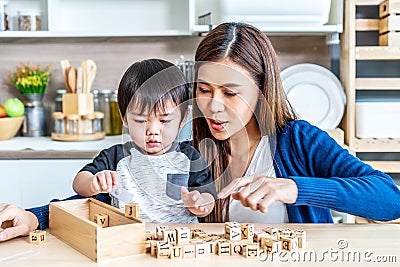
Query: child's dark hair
x: 149, y: 83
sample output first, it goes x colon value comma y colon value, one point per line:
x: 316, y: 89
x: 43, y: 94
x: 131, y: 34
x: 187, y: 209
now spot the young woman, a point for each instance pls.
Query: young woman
x: 253, y: 138
x: 268, y: 167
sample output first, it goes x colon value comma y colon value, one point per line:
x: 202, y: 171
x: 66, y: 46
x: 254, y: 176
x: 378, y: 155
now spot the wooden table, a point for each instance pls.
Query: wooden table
x: 333, y: 244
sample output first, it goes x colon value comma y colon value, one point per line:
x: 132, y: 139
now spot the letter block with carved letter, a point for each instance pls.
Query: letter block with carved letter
x: 247, y: 231
x: 132, y: 210
x: 182, y: 235
x: 233, y: 233
x: 250, y: 250
x: 301, y: 235
x: 188, y: 251
x: 101, y: 219
x: 223, y: 248
x: 290, y: 243
x: 176, y: 251
x: 163, y: 249
x: 271, y: 246
x: 169, y: 235
x: 37, y: 237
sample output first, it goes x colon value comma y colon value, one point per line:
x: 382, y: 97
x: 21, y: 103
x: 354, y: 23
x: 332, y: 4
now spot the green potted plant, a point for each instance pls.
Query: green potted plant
x: 32, y: 81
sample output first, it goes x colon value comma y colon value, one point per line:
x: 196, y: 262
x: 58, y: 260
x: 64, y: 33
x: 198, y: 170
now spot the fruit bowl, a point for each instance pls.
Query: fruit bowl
x: 9, y: 127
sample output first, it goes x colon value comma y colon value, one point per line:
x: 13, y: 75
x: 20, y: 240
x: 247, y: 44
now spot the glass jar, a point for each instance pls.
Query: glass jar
x: 59, y: 126
x: 87, y: 123
x: 98, y: 122
x: 58, y: 100
x: 116, y: 122
x: 96, y: 104
x: 3, y: 17
x: 104, y: 105
x: 29, y: 21
x: 72, y: 126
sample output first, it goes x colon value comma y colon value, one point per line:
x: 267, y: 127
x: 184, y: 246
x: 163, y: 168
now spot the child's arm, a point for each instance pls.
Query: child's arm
x: 200, y: 204
x: 86, y: 184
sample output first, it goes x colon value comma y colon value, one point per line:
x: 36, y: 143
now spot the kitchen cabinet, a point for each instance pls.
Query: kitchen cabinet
x: 358, y: 53
x: 36, y: 170
x: 93, y: 18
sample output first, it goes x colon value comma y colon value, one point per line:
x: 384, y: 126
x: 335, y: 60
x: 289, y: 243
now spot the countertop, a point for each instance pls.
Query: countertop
x: 45, y: 147
x: 332, y: 244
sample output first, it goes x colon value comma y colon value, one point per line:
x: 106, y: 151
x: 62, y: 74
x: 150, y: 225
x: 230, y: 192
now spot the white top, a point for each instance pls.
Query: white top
x: 262, y: 164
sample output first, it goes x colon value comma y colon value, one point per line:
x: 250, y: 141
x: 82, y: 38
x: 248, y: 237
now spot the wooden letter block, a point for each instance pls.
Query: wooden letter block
x: 182, y: 235
x: 233, y: 233
x: 250, y: 250
x: 247, y: 231
x: 194, y: 231
x: 132, y: 210
x: 270, y: 230
x: 163, y: 249
x: 188, y: 251
x: 37, y: 237
x: 201, y: 249
x: 159, y: 231
x: 150, y: 236
x: 272, y: 246
x: 169, y: 235
x: 301, y: 235
x: 290, y: 243
x: 211, y: 247
x: 153, y: 248
x: 176, y: 251
x: 236, y: 248
x: 223, y: 248
x: 101, y: 219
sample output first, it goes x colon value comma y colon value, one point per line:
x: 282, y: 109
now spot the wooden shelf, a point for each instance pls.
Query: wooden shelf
x: 377, y: 84
x: 385, y: 166
x: 368, y: 2
x: 375, y: 145
x: 367, y: 24
x: 377, y: 53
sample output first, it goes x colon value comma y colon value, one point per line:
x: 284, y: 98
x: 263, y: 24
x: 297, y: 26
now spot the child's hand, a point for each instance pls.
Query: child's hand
x: 104, y: 181
x: 198, y: 204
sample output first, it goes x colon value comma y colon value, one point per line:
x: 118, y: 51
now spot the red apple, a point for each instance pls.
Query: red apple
x: 3, y: 112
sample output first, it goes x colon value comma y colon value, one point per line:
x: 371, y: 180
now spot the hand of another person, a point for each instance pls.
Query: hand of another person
x: 259, y: 192
x: 104, y: 181
x: 200, y: 204
x: 16, y: 221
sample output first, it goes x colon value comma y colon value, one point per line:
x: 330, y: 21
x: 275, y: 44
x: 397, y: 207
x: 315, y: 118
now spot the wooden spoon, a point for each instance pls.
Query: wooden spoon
x: 91, y: 74
x: 72, y: 73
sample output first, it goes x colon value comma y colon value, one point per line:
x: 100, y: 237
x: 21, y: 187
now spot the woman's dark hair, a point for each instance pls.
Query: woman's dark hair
x: 251, y: 49
x: 149, y: 83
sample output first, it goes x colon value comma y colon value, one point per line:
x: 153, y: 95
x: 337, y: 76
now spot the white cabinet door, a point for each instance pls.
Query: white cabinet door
x: 34, y: 182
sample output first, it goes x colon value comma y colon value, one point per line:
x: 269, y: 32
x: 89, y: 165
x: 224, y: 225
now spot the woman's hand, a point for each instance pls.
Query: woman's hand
x: 16, y: 221
x: 200, y: 204
x: 259, y: 192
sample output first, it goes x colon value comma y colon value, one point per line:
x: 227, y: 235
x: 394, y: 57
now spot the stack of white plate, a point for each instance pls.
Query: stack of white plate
x: 315, y: 94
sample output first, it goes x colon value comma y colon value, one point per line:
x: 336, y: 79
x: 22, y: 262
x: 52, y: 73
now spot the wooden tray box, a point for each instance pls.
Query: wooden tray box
x: 72, y: 221
x: 389, y: 39
x: 80, y: 104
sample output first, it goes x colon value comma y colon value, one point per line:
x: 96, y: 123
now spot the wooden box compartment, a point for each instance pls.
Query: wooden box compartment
x: 389, y: 39
x: 389, y: 7
x: 389, y: 24
x: 80, y: 104
x: 72, y: 221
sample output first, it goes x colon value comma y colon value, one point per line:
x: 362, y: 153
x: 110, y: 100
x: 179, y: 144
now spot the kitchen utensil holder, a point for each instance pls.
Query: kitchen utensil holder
x: 80, y: 104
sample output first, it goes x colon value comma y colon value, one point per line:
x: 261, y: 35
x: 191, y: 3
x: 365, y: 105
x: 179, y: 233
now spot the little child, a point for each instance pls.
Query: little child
x: 154, y: 168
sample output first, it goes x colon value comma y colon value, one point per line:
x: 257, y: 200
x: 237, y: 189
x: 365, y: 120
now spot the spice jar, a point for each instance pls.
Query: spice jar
x: 98, y: 122
x: 58, y: 123
x: 3, y: 17
x: 96, y: 104
x: 72, y: 126
x: 29, y: 21
x: 104, y: 101
x: 58, y: 100
x: 116, y: 122
x: 87, y: 123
